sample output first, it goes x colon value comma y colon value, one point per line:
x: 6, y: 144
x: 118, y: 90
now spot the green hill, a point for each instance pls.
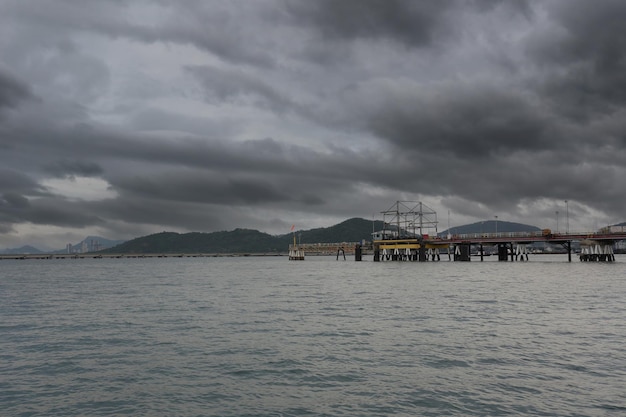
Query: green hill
x: 352, y: 230
x: 236, y: 241
x: 244, y: 240
x: 490, y: 226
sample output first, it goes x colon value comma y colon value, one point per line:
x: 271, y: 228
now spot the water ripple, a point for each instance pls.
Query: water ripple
x: 266, y: 337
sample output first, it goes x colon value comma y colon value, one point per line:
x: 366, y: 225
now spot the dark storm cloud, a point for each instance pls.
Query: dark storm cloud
x: 93, y: 148
x: 12, y: 205
x: 585, y: 57
x: 247, y: 114
x: 219, y: 28
x: 201, y: 187
x: 12, y: 90
x: 468, y: 122
x: 60, y: 213
x: 239, y: 87
x: 65, y: 168
x: 16, y: 208
x: 18, y: 182
x: 411, y: 23
x: 262, y: 172
x: 15, y: 200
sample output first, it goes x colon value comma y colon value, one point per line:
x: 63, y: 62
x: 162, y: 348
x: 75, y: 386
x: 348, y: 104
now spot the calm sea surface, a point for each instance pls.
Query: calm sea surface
x: 269, y: 337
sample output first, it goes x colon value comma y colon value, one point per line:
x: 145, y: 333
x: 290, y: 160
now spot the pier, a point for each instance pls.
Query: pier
x: 405, y: 239
x: 513, y: 246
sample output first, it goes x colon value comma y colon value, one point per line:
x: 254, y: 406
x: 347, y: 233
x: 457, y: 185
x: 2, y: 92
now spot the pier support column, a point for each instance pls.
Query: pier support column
x: 503, y: 252
x: 357, y: 253
x: 462, y: 252
x: 584, y: 254
x: 597, y: 252
x: 608, y: 250
x: 568, y: 246
x: 422, y: 254
x: 521, y: 252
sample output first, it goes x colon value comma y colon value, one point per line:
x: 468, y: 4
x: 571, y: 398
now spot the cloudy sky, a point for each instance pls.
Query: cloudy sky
x: 123, y: 118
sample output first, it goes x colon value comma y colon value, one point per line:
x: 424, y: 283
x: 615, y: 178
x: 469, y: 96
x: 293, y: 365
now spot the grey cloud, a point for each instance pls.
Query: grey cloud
x: 16, y: 209
x: 235, y: 85
x: 15, y: 200
x: 408, y: 22
x: 64, y: 168
x: 584, y: 57
x: 203, y: 186
x: 12, y: 181
x: 592, y: 33
x: 252, y: 113
x: 475, y: 122
x: 11, y: 206
x: 60, y: 213
x: 12, y: 91
x: 413, y: 24
x: 211, y: 26
x: 150, y: 119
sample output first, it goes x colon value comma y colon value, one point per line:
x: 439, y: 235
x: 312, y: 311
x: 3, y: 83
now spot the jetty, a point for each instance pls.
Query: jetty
x: 513, y: 246
x: 406, y: 240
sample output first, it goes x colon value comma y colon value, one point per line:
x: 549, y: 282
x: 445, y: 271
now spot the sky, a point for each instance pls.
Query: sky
x: 126, y: 118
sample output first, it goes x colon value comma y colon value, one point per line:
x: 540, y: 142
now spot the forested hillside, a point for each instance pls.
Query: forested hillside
x: 245, y: 240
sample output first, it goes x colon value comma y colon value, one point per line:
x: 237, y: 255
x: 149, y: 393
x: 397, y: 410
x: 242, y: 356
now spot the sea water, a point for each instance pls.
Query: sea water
x: 264, y: 336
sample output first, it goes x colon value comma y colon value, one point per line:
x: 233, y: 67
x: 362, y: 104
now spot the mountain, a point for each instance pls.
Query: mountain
x: 352, y: 230
x: 244, y: 240
x: 490, y: 226
x: 236, y: 241
x: 27, y: 249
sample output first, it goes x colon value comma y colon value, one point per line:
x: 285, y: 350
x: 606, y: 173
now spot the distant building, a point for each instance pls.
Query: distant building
x: 384, y: 235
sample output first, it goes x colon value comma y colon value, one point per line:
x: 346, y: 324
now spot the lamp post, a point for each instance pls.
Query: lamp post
x: 567, y: 217
x: 557, y: 221
x: 496, y: 225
